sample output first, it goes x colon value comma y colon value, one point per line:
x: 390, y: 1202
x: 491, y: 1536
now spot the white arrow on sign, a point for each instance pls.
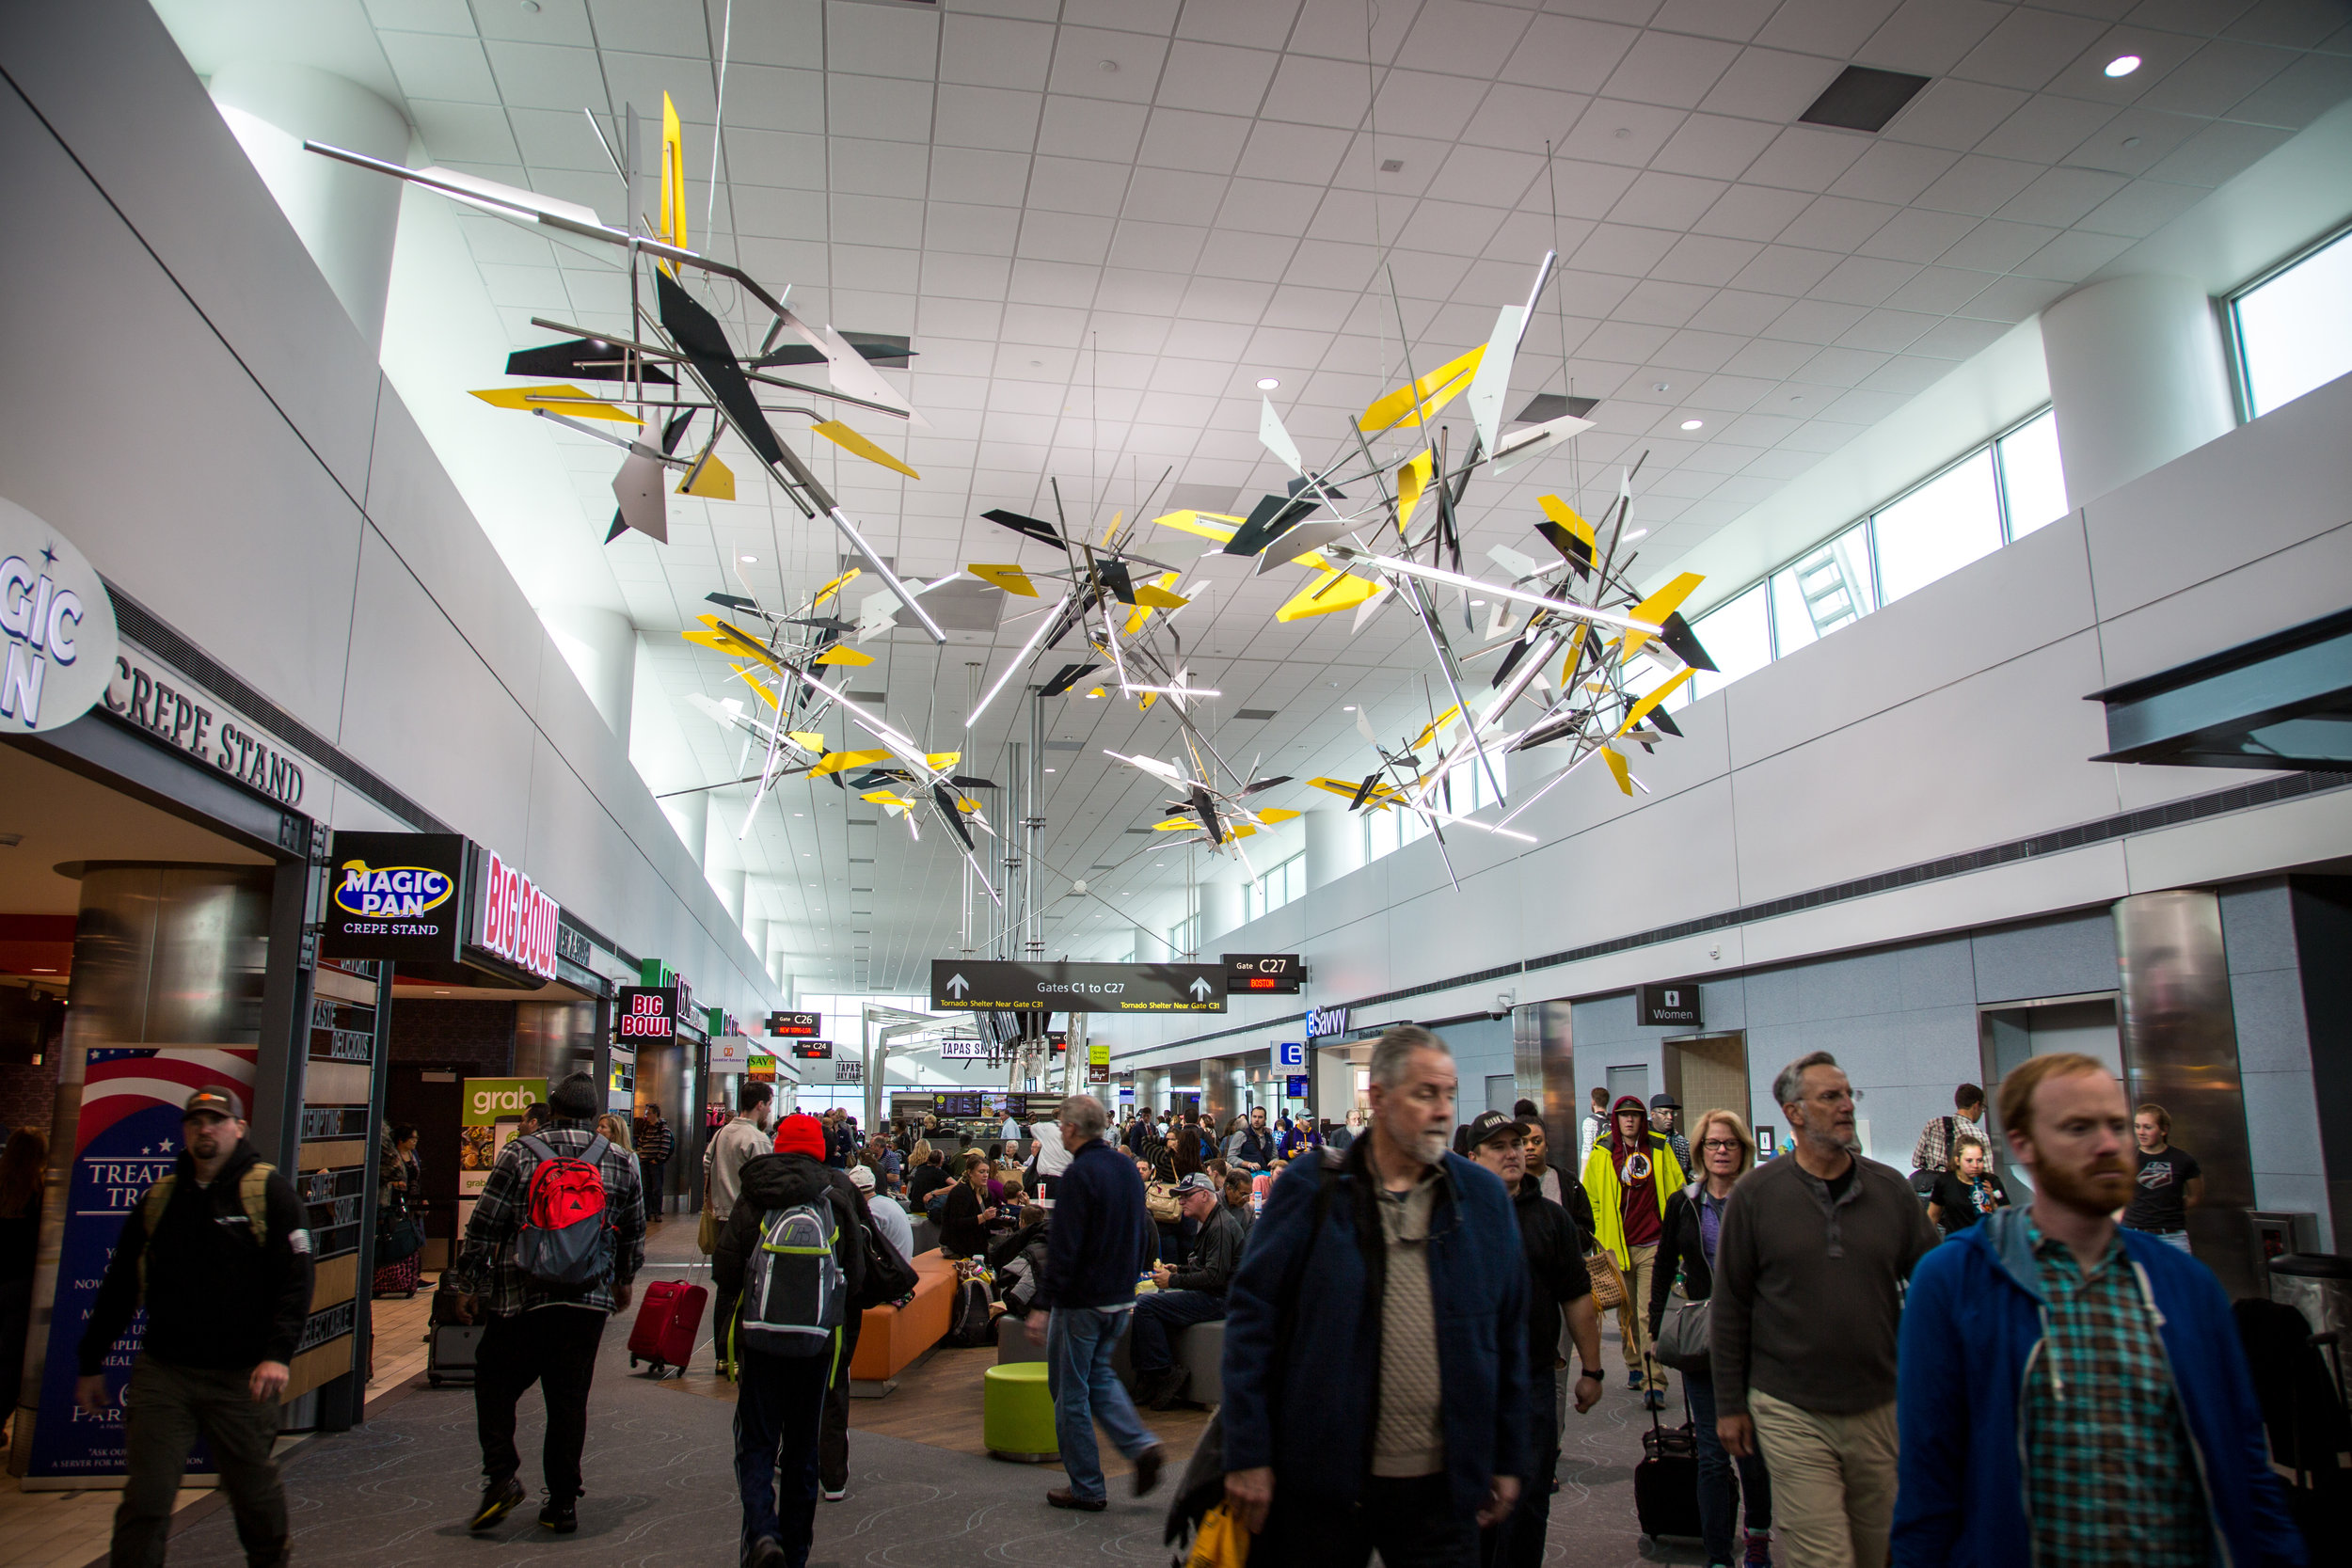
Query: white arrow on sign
x: 956, y: 986
x: 1199, y: 989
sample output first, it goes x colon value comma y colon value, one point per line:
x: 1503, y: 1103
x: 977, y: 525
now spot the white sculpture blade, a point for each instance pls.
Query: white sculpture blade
x: 1277, y: 441
x: 1492, y: 384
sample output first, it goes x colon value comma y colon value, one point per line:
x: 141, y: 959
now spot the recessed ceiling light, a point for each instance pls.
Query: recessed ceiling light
x: 1267, y: 382
x: 1692, y: 424
x: 1092, y: 695
x: 800, y: 814
x: 1478, y: 604
x: 748, y: 559
x: 1049, y: 770
x: 2122, y: 65
x: 1349, y: 709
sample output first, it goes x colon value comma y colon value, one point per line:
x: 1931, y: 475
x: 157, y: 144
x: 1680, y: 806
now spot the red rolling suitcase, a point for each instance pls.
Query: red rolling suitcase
x: 663, y: 1333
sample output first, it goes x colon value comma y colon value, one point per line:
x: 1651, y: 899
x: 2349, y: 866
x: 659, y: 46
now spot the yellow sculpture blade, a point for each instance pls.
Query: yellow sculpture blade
x: 943, y: 760
x: 1240, y: 829
x: 850, y: 440
x: 1209, y: 524
x: 1160, y: 594
x: 808, y: 740
x: 1333, y: 590
x: 836, y: 586
x: 1144, y: 706
x: 731, y: 640
x: 1411, y: 480
x: 1640, y: 710
x: 1012, y: 579
x: 748, y: 675
x: 833, y: 762
x: 1618, y: 770
x: 1566, y: 515
x: 708, y: 478
x: 1275, y: 814
x: 1576, y: 651
x: 1440, y: 722
x: 1116, y: 518
x: 1423, y: 397
x: 1657, y: 606
x: 673, y: 176
x: 841, y: 652
x: 1175, y: 825
x: 1135, y: 618
x: 1096, y: 692
x: 558, y: 399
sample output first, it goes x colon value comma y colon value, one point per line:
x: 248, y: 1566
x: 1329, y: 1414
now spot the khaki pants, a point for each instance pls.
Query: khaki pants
x: 1633, y: 1316
x: 1832, y: 1481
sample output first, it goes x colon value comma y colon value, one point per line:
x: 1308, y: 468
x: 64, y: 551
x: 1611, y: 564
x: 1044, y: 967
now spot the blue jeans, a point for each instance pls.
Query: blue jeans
x: 1078, y: 1345
x: 779, y: 1406
x: 1160, y: 1315
x: 1718, y: 1499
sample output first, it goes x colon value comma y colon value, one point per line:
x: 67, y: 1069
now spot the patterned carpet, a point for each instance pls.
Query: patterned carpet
x: 660, y: 1493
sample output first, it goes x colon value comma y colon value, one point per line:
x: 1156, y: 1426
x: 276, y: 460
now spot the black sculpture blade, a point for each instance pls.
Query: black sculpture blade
x: 1028, y: 527
x: 1114, y: 577
x: 1071, y: 675
x: 702, y: 340
x: 875, y: 348
x: 946, y: 804
x: 1205, y: 809
x: 1579, y: 553
x: 1676, y: 634
x: 1666, y: 725
x: 1363, y: 791
x: 1272, y: 517
x: 582, y: 359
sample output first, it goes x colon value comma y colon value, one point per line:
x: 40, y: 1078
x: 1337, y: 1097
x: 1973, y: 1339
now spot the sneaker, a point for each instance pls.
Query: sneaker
x: 559, y: 1515
x: 1759, y: 1551
x: 1633, y: 1380
x: 498, y: 1499
x: 835, y: 1494
x: 766, y: 1552
x: 1654, y: 1400
x: 1148, y: 1468
x: 1061, y: 1496
x: 1159, y: 1389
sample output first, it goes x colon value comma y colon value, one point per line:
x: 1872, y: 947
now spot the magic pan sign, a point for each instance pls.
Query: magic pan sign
x: 395, y: 896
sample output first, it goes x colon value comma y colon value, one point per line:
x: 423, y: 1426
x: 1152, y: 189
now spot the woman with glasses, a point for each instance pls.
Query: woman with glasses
x: 1693, y: 1221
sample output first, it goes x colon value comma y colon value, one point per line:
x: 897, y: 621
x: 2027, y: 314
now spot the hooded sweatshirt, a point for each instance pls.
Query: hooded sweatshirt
x: 1615, y: 1226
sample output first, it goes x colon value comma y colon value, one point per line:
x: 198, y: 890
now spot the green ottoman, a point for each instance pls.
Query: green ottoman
x: 1017, y: 1414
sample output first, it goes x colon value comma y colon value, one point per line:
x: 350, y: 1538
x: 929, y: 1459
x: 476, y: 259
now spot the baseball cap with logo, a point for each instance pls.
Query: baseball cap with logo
x: 1493, y: 1124
x: 213, y: 1100
x: 1197, y: 1183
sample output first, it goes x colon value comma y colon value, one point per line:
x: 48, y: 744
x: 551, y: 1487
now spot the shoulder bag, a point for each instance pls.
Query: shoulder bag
x: 1682, y: 1342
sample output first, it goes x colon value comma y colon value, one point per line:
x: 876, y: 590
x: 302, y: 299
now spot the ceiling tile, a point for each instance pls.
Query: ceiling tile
x: 2141, y: 208
x: 1753, y: 212
x: 1770, y: 84
x: 1672, y: 70
x: 1465, y: 40
x: 442, y: 65
x: 469, y: 134
x: 1928, y: 37
x: 1217, y: 79
x: 1996, y: 246
x: 882, y: 108
x: 1422, y: 103
x: 1090, y: 128
x: 1838, y: 223
x: 1206, y: 144
x: 769, y: 98
x: 1572, y: 53
x: 994, y: 52
x: 880, y: 167
x: 2217, y: 151
x: 1614, y: 131
x: 1955, y: 115
x: 1705, y: 259
x: 2301, y: 93
x: 1979, y: 185
x: 2061, y: 197
x: 1524, y: 118
x: 1917, y: 235
x: 1667, y: 200
x: 1737, y: 19
x: 2028, y: 48
x: 1835, y: 29
x: 1258, y: 24
x: 1093, y: 63
x: 1806, y: 159
x: 986, y: 117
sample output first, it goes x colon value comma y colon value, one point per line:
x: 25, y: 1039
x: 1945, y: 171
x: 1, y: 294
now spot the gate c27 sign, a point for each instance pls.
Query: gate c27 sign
x: 395, y: 896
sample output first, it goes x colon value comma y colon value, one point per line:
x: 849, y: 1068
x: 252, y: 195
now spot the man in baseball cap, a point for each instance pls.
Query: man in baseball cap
x: 217, y: 1252
x: 1193, y: 1294
x: 1664, y: 1111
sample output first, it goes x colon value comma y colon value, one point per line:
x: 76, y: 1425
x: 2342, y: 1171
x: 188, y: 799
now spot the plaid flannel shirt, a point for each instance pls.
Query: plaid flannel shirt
x: 1933, y: 1152
x: 2110, y: 1477
x: 486, y: 1258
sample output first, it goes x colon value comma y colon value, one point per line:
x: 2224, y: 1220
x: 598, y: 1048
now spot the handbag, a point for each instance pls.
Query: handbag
x: 1220, y: 1542
x: 1607, y: 1284
x: 1683, y: 1341
x: 398, y: 1236
x: 888, y: 1276
x: 1160, y: 1201
x: 706, y: 1233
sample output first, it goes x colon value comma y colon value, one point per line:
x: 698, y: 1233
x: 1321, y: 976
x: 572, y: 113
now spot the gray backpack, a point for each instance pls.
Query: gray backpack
x: 795, y: 1294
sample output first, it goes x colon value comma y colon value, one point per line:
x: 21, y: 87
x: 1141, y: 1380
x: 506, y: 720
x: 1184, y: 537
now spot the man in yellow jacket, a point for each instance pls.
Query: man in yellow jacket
x: 1629, y: 1174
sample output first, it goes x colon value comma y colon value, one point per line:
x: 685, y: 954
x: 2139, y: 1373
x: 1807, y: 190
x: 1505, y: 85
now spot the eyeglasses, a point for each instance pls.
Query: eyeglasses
x: 1837, y: 1097
x: 1728, y: 1146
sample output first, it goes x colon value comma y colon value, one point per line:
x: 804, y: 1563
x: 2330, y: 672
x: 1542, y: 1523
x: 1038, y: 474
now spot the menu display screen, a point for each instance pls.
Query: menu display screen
x: 960, y: 1104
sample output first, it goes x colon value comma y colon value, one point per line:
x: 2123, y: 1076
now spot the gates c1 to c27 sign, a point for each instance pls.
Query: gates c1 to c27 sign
x: 993, y: 985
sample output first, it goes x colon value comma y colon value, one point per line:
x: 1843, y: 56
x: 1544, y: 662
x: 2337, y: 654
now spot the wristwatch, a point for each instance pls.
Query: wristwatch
x: 1584, y: 1373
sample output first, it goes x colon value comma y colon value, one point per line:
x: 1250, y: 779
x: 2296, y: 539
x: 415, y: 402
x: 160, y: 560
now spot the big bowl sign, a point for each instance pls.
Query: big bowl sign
x: 516, y: 921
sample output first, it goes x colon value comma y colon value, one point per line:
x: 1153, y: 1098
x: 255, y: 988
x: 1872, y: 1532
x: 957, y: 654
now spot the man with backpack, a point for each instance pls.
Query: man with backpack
x: 217, y: 1254
x: 1934, y: 1152
x: 793, y: 1254
x: 554, y: 1245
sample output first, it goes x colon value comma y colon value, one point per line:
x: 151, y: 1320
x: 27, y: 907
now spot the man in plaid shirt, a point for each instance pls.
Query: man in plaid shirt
x: 536, y: 1332
x: 1933, y: 1152
x: 2073, y: 1395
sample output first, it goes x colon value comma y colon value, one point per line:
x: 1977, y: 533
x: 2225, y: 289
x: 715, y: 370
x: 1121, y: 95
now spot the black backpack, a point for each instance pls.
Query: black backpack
x: 968, y: 1326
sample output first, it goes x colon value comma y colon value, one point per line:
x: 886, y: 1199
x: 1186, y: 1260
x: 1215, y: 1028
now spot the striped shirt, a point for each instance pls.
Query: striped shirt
x: 2110, y: 1478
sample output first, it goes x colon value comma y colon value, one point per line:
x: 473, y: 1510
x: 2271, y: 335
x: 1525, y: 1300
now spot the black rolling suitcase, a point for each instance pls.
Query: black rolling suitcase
x: 1667, y: 1482
x: 450, y: 1343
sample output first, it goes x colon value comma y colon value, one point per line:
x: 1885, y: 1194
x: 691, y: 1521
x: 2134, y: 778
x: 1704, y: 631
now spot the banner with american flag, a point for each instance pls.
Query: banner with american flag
x: 127, y: 1137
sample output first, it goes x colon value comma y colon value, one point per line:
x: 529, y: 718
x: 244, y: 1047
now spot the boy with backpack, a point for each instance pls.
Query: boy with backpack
x: 553, y: 1247
x: 793, y: 1255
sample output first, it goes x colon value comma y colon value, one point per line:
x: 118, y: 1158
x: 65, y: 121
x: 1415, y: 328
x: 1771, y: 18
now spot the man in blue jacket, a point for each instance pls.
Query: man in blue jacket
x: 2071, y: 1393
x: 1376, y: 1341
x: 1102, y: 1239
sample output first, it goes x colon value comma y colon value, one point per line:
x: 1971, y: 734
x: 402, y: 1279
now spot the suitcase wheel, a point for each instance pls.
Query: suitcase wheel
x: 434, y: 1379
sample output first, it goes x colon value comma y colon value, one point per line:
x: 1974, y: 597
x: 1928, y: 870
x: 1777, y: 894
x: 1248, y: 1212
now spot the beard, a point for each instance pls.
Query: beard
x: 2101, y: 1186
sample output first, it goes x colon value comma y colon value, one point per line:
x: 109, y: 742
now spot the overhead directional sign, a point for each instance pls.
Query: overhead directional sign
x: 994, y: 985
x: 1267, y: 973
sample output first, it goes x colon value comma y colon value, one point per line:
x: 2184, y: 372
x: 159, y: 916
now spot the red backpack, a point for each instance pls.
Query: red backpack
x: 562, y: 1240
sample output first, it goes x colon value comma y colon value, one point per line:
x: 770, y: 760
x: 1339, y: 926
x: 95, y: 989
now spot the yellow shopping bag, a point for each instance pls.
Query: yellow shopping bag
x: 1221, y: 1542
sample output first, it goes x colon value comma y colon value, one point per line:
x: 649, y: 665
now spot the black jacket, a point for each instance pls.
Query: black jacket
x: 216, y: 1297
x: 1555, y: 1271
x: 923, y: 1181
x: 1679, y: 1250
x: 1101, y: 1237
x: 961, y: 1232
x: 772, y: 1181
x: 1215, y: 1253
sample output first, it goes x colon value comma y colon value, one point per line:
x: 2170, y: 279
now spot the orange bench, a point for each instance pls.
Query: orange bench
x: 891, y: 1339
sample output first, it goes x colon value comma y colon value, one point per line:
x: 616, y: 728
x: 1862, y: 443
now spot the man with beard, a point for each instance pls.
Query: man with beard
x: 1376, y: 1341
x: 1809, y: 1274
x: 2074, y: 1393
x: 1628, y: 1177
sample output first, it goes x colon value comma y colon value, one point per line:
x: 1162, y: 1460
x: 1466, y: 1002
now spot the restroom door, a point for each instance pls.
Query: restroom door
x: 1709, y: 1073
x: 1631, y: 1081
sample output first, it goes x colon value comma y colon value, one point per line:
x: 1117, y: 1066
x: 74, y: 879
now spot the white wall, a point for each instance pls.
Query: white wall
x: 1951, y: 720
x: 187, y: 402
